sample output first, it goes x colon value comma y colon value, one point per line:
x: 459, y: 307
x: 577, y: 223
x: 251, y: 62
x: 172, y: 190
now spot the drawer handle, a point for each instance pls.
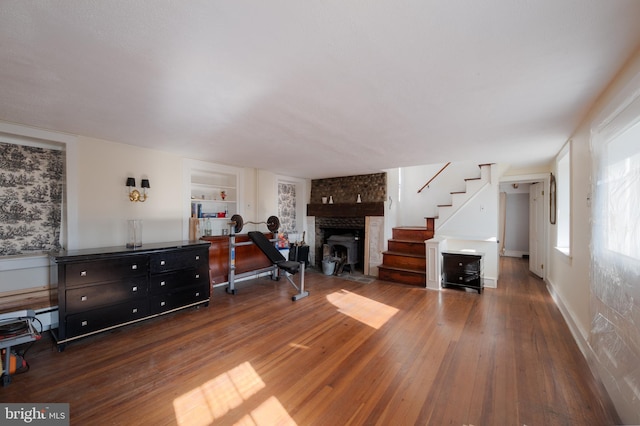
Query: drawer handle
x: 162, y: 262
x: 197, y: 257
x: 83, y: 273
x: 162, y: 283
x: 134, y: 288
x: 84, y: 323
x: 134, y: 311
x: 163, y: 303
x: 197, y: 275
x: 197, y: 293
x: 134, y: 267
x: 83, y: 298
x: 460, y: 264
x: 459, y: 278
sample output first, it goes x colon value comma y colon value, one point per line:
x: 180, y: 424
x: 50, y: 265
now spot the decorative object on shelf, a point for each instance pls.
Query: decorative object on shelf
x: 134, y: 233
x: 330, y: 199
x: 134, y: 194
x: 324, y: 200
x: 553, y: 209
x: 223, y: 195
x: 359, y: 200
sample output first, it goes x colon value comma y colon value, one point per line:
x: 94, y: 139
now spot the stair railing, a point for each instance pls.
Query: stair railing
x: 434, y: 176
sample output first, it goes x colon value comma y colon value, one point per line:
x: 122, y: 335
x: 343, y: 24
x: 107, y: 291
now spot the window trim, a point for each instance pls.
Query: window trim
x: 22, y: 135
x: 563, y: 225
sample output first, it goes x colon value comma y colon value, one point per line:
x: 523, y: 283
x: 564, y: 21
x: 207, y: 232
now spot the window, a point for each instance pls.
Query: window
x: 292, y: 194
x: 563, y: 200
x: 287, y: 207
x: 31, y: 196
x: 621, y: 186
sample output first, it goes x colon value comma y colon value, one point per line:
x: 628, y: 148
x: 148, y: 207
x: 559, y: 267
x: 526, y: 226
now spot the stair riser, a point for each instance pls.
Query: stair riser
x: 407, y: 247
x: 402, y: 277
x: 398, y: 261
x: 431, y: 224
x: 411, y: 234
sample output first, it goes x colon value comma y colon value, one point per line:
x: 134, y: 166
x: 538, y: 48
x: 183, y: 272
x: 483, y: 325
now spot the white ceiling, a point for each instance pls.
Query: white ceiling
x: 315, y: 88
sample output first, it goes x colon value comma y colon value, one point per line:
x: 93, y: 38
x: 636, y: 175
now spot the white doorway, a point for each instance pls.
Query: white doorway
x: 536, y: 229
x: 535, y: 221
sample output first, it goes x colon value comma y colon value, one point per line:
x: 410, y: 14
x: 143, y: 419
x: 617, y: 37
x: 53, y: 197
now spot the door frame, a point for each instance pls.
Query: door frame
x: 532, y: 178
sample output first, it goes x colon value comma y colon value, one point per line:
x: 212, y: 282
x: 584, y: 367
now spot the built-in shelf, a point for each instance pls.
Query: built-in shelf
x: 206, y: 182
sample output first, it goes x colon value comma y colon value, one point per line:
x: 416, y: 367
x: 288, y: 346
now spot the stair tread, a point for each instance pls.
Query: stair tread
x: 412, y: 228
x: 395, y: 268
x: 400, y: 253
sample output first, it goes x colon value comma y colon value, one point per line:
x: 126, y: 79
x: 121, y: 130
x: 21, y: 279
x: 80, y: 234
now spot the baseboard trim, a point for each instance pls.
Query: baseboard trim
x: 580, y: 337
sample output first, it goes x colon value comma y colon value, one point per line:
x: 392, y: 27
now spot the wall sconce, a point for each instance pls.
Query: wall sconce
x: 134, y: 194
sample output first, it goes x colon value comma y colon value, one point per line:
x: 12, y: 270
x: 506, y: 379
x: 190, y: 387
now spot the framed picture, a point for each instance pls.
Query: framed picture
x: 553, y: 207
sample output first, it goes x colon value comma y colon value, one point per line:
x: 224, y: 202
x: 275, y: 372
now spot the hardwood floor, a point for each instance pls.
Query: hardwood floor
x: 350, y: 353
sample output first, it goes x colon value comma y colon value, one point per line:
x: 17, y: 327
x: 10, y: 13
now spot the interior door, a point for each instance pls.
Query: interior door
x: 536, y: 229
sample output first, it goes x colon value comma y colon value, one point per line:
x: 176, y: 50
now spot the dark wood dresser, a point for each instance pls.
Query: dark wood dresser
x: 103, y: 288
x: 462, y: 269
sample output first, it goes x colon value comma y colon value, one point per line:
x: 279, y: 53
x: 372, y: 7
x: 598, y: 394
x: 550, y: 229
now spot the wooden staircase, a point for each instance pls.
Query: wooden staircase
x: 405, y: 260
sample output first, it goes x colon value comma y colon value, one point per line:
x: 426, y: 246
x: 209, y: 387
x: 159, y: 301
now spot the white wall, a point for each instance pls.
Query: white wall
x: 103, y: 205
x: 569, y: 276
x: 266, y: 197
x: 415, y: 207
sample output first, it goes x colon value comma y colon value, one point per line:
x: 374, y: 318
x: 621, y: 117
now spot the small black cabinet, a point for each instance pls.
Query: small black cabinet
x: 103, y: 288
x: 462, y: 269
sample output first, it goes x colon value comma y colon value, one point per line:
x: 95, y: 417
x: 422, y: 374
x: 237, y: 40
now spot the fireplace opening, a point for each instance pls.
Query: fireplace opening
x: 342, y: 243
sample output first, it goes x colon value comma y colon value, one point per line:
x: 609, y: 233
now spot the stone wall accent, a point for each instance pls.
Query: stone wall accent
x: 372, y: 188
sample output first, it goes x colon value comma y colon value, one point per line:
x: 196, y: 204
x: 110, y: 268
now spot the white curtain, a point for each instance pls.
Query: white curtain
x: 615, y: 250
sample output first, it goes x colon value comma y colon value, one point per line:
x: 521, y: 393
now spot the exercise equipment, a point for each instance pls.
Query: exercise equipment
x: 278, y: 260
x: 16, y: 328
x: 235, y: 226
x: 273, y: 223
x: 268, y: 248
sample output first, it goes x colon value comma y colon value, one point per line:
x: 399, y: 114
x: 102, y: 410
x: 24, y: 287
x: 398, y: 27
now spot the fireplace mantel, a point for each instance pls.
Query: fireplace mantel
x: 346, y: 209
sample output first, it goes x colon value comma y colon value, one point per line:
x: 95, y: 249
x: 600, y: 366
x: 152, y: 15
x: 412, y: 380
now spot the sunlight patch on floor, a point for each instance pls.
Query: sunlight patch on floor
x: 215, y: 398
x: 270, y: 412
x: 363, y: 309
x: 298, y: 346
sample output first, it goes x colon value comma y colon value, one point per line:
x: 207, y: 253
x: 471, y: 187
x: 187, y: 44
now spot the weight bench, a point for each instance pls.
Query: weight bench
x: 280, y: 262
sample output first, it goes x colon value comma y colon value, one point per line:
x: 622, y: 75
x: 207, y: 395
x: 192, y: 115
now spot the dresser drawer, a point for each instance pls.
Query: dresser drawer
x: 461, y: 263
x: 80, y: 299
x: 462, y: 278
x: 105, y: 270
x: 162, y: 283
x: 174, y: 260
x: 166, y: 302
x: 98, y: 319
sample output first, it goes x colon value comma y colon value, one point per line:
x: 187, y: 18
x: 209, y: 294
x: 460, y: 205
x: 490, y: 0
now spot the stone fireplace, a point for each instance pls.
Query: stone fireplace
x: 342, y: 224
